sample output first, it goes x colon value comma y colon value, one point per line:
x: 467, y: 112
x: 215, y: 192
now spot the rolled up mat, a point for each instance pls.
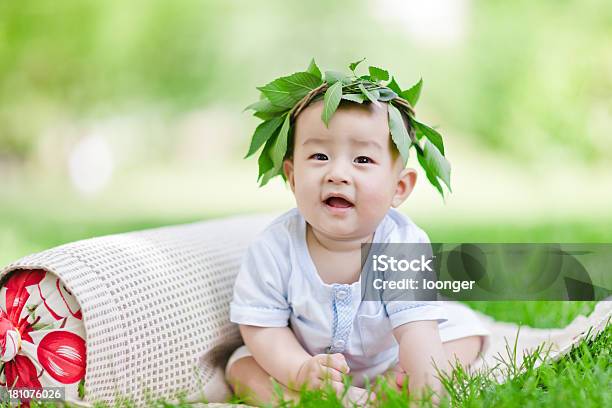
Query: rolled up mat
x: 149, y: 305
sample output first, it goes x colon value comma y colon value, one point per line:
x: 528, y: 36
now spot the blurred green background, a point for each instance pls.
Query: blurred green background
x: 117, y: 116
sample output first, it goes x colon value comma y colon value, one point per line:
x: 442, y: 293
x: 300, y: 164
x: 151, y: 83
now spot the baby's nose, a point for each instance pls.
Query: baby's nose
x: 337, y: 180
x: 338, y: 175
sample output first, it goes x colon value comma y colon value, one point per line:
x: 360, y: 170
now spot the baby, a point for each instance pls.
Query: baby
x: 297, y: 297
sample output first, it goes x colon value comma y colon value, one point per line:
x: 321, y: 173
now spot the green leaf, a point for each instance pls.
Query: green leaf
x: 386, y: 95
x: 279, y: 149
x: 431, y: 134
x: 42, y: 326
x: 369, y: 95
x: 331, y: 100
x: 314, y: 69
x: 265, y: 161
x: 267, y: 176
x: 301, y: 83
x: 267, y: 170
x: 265, y: 115
x: 265, y: 110
x: 263, y: 132
x: 81, y: 389
x: 394, y: 86
x: 378, y: 74
x: 399, y: 133
x: 412, y: 94
x: 331, y: 77
x: 264, y: 105
x: 353, y: 65
x: 359, y: 98
x: 435, y: 164
x: 287, y: 91
x: 428, y: 172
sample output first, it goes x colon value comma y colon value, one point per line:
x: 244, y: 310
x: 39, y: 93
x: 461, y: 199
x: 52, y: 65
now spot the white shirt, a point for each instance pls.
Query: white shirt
x: 278, y: 285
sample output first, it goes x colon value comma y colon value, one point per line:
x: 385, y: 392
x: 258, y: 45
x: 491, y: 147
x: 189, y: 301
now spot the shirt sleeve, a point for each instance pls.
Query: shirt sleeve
x: 260, y: 290
x: 405, y: 311
x: 402, y: 312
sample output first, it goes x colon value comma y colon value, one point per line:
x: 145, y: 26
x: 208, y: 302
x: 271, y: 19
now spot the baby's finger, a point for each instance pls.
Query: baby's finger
x: 359, y: 396
x: 332, y: 374
x: 338, y: 362
x: 400, y: 378
x: 338, y: 387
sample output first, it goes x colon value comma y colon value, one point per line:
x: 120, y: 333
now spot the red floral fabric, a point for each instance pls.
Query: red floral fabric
x: 42, y: 337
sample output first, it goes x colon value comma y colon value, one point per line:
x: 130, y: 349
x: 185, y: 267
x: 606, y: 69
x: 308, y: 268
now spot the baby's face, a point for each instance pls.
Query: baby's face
x: 345, y: 177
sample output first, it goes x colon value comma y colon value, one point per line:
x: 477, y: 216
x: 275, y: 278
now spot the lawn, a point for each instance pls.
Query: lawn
x: 581, y: 379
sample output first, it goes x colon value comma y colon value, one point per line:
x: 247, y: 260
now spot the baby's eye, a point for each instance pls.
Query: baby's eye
x: 319, y: 156
x: 363, y: 160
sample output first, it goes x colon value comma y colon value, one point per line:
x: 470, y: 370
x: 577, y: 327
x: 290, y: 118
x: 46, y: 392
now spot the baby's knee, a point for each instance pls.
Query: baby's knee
x: 253, y: 384
x: 242, y: 370
x: 464, y: 350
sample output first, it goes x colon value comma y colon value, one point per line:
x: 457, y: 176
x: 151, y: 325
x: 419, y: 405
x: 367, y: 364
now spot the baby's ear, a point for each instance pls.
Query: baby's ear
x: 405, y: 185
x: 288, y: 169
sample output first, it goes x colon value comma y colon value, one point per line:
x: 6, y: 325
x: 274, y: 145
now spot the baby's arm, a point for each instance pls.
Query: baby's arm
x: 420, y: 348
x: 278, y: 352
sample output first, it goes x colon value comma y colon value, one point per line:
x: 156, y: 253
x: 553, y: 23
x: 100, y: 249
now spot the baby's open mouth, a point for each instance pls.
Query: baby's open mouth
x: 338, y: 202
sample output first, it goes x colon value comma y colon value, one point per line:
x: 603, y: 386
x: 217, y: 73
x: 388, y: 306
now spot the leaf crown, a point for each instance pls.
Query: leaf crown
x: 282, y: 100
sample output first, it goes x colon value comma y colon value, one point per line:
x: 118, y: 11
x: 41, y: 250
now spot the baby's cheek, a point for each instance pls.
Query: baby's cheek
x: 374, y: 202
x: 375, y: 191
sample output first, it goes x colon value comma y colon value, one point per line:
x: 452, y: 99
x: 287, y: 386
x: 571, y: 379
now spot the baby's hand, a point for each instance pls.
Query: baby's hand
x: 317, y: 369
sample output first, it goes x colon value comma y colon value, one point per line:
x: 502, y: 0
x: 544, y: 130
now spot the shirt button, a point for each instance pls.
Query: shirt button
x: 339, y: 343
x: 341, y: 294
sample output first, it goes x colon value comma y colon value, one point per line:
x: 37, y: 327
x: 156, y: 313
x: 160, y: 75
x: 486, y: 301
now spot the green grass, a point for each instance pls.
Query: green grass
x: 542, y: 314
x: 581, y: 378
